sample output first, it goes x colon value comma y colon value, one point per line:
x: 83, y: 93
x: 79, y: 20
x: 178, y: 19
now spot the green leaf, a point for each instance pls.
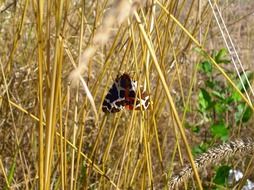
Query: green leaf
x: 221, y: 175
x: 236, y: 96
x: 210, y: 83
x: 199, y: 149
x: 220, y: 57
x: 219, y: 131
x: 204, y: 99
x: 250, y: 76
x: 195, y: 129
x: 220, y: 108
x: 206, y: 67
x: 218, y: 94
x: 239, y: 112
x: 247, y: 114
x: 229, y: 100
x: 243, y: 113
x: 11, y: 174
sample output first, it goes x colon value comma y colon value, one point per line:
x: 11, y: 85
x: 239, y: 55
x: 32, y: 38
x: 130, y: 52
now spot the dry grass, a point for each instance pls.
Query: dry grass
x: 58, y: 60
x: 214, y: 156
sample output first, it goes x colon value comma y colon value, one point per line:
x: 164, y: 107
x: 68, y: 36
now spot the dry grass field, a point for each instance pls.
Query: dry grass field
x: 58, y: 61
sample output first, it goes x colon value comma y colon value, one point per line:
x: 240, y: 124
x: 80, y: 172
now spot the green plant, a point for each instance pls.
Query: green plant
x: 221, y: 176
x: 219, y: 105
x: 214, y: 156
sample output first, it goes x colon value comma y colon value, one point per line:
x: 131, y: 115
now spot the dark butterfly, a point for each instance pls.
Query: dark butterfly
x: 123, y: 94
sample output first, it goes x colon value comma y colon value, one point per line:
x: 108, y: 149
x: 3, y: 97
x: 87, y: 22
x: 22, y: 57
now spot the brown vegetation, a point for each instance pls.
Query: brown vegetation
x: 59, y: 58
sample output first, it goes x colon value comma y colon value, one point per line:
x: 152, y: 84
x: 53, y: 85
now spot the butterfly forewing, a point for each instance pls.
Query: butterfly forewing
x: 115, y: 99
x: 142, y: 102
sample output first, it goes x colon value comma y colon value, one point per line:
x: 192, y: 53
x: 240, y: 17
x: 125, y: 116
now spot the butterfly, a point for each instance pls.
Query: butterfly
x: 123, y: 94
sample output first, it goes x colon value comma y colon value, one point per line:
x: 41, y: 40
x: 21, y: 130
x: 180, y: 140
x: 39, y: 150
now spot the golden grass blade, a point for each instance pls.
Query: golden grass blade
x: 39, y: 11
x: 51, y: 112
x: 62, y: 153
x: 170, y: 100
x: 17, y: 37
x: 4, y: 173
x: 89, y: 96
x: 89, y: 161
x: 212, y: 60
x: 17, y: 140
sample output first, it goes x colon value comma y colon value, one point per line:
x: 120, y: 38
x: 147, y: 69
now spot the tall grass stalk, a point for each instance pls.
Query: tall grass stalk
x: 213, y: 61
x: 39, y: 13
x: 179, y: 124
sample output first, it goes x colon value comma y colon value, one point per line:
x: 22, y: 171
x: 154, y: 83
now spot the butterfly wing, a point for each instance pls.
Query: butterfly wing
x: 123, y: 94
x: 142, y: 102
x: 113, y: 102
x: 115, y: 99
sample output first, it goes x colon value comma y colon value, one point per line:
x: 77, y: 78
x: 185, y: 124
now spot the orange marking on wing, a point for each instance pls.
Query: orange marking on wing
x: 129, y: 107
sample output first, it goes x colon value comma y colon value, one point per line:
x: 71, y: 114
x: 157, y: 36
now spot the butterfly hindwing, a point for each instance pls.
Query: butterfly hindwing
x: 142, y: 102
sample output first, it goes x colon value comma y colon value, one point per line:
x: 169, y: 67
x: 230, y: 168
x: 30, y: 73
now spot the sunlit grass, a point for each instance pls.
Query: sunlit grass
x: 58, y: 64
